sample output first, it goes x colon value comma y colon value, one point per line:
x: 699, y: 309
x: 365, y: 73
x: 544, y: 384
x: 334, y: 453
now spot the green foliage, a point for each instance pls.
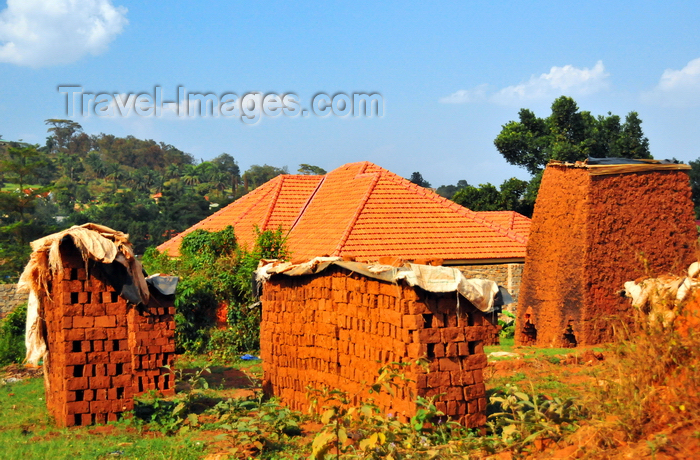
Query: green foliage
x: 507, y: 323
x: 214, y: 270
x: 417, y: 178
x: 569, y: 135
x: 306, y: 170
x: 448, y: 191
x: 520, y: 418
x: 512, y: 196
x: 12, y: 329
x: 362, y: 431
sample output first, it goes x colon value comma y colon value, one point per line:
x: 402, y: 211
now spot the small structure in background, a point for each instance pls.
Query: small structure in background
x: 335, y: 323
x: 596, y: 225
x: 104, y: 332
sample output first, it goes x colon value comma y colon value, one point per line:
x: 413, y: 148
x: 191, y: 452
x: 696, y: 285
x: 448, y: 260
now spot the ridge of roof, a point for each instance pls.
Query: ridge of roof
x: 358, y: 211
x: 273, y: 202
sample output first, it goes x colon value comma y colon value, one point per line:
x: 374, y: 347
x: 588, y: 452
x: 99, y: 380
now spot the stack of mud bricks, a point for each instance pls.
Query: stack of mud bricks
x: 590, y: 234
x: 336, y: 329
x: 102, y: 350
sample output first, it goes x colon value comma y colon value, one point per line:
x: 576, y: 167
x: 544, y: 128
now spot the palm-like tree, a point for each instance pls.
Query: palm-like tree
x: 114, y: 174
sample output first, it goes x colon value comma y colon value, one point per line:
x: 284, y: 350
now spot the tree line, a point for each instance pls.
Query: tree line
x: 147, y: 189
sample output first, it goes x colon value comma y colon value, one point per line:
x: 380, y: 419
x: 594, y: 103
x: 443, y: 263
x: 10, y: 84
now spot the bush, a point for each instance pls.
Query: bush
x: 214, y: 269
x: 12, y: 329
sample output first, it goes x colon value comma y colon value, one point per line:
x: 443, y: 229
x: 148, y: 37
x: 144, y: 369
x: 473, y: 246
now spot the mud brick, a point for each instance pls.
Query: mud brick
x: 105, y: 321
x: 438, y: 379
x: 472, y: 406
x: 478, y: 361
x: 119, y: 357
x: 83, y: 321
x: 452, y: 334
x: 77, y: 383
x: 474, y: 391
x: 77, y: 407
x: 462, y: 378
x: 75, y: 359
x: 99, y: 382
x: 98, y: 345
x: 463, y: 349
x: 123, y: 345
x: 94, y: 309
x: 451, y: 350
x: 100, y: 407
x: 413, y: 322
x: 74, y: 334
x: 67, y: 322
x: 449, y: 364
x: 482, y: 404
x: 72, y: 286
x: 101, y: 357
x: 430, y: 335
x: 452, y: 408
x: 439, y: 350
x: 73, y: 309
x: 421, y: 381
x: 441, y: 406
x: 123, y: 380
x: 117, y: 333
x: 86, y: 346
x: 438, y: 320
x: 454, y: 393
x: 95, y: 334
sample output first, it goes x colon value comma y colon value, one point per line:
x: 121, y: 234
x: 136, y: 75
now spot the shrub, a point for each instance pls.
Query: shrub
x: 12, y: 328
x: 214, y: 269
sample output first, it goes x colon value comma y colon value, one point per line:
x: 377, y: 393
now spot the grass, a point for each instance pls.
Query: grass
x: 26, y: 432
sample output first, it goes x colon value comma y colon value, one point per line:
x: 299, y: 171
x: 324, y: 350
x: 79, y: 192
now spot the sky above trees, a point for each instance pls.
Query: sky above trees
x: 451, y: 75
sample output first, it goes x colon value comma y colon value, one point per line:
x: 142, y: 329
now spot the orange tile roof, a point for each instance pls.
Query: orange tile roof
x: 363, y: 211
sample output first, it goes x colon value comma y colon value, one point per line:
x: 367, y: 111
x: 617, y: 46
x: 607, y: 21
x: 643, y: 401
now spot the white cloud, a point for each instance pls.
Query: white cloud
x: 677, y: 88
x: 39, y: 33
x: 567, y: 80
x: 466, y: 95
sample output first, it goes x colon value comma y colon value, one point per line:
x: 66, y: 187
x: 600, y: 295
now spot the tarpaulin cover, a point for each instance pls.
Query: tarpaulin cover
x: 483, y: 294
x: 94, y: 242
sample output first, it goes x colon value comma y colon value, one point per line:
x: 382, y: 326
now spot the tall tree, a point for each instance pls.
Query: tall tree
x: 570, y: 135
x: 417, y: 178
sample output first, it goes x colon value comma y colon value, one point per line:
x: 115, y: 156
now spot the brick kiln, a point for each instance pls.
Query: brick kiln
x: 336, y: 326
x: 596, y: 226
x: 98, y: 348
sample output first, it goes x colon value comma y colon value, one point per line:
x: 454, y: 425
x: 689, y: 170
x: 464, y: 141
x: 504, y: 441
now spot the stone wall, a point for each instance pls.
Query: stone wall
x: 337, y: 328
x: 590, y: 234
x: 102, y: 350
x: 9, y: 299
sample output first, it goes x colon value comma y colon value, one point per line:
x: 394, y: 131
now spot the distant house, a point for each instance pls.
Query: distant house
x: 363, y: 212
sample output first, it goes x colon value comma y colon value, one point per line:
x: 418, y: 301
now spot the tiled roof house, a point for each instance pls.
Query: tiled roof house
x: 365, y: 212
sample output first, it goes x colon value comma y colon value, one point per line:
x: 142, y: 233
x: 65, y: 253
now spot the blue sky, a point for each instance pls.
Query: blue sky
x: 450, y: 75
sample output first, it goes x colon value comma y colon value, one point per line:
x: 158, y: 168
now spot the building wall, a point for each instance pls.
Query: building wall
x: 9, y: 299
x: 507, y: 275
x: 336, y: 329
x: 589, y: 235
x: 102, y: 350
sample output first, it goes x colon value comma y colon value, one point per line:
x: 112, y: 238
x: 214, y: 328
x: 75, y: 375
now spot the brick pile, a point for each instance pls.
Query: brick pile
x: 102, y: 350
x: 337, y: 328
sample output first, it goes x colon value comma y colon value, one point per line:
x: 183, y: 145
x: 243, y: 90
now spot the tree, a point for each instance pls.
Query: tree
x: 486, y: 197
x: 448, y: 191
x: 570, y: 135
x: 417, y: 179
x: 310, y: 170
x: 227, y: 164
x: 257, y: 175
